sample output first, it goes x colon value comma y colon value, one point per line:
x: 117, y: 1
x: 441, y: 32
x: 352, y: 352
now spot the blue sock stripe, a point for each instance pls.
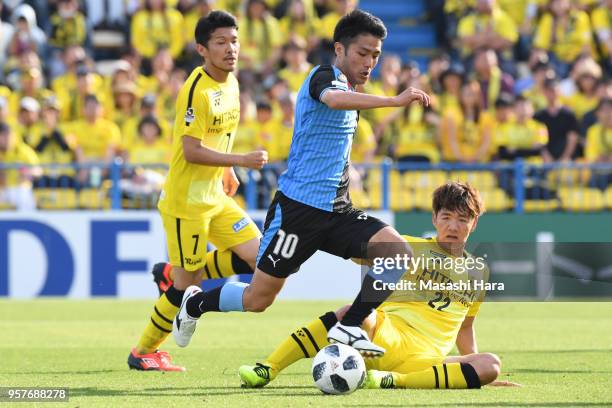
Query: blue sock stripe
x: 230, y: 298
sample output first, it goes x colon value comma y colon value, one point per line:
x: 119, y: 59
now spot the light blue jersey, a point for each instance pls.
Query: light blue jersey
x: 317, y: 169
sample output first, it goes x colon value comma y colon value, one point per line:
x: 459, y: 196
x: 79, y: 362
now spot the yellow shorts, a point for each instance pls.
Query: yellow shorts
x: 406, y: 351
x: 227, y: 227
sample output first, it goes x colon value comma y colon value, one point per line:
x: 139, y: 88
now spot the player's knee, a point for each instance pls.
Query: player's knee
x: 379, y: 247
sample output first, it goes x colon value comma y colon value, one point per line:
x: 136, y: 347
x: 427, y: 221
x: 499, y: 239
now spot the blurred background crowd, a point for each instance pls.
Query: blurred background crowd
x: 86, y: 82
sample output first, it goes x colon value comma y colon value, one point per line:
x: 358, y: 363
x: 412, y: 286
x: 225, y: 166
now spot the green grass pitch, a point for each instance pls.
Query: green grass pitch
x: 560, y: 352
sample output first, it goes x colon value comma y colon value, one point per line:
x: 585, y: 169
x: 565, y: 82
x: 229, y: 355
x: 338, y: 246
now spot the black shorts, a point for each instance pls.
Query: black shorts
x: 293, y: 232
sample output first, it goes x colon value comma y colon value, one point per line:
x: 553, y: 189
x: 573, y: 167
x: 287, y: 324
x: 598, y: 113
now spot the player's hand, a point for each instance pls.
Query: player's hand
x: 254, y: 160
x: 410, y: 95
x: 230, y: 182
x: 504, y: 384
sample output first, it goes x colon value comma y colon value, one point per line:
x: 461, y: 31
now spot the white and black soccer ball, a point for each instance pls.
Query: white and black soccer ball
x: 338, y: 369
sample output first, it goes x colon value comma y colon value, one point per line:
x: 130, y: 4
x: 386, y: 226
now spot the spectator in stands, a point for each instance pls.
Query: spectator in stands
x: 466, y: 135
x: 196, y: 9
x: 157, y: 26
x: 108, y: 14
x: 31, y: 85
x: 604, y: 91
x: 66, y: 27
x: 298, y: 68
x: 27, y: 36
x: 504, y: 119
x: 15, y: 184
x: 300, y: 21
x: 324, y: 51
x: 99, y: 138
x: 436, y: 67
x: 87, y: 83
x: 564, y: 32
x: 145, y: 181
x: 246, y: 140
x: 525, y: 137
x: 587, y: 74
x: 598, y: 147
x: 5, y: 116
x: 169, y: 93
x: 54, y: 146
x: 364, y: 144
x: 260, y: 38
x: 125, y: 98
x: 601, y: 19
x: 29, y: 113
x: 148, y: 107
x: 6, y: 33
x: 561, y: 124
x: 493, y: 81
x: 487, y: 26
x: 386, y: 85
x: 451, y: 80
x: 534, y: 91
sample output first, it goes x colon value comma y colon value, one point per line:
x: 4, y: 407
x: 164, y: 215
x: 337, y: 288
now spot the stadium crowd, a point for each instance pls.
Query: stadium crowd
x: 87, y: 81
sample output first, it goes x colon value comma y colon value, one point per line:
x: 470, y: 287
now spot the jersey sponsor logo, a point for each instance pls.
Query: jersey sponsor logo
x: 362, y: 216
x: 274, y: 261
x: 189, y: 115
x: 221, y: 119
x: 240, y: 224
x: 192, y: 261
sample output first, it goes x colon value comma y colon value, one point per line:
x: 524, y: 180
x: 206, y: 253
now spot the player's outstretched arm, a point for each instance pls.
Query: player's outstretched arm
x: 196, y: 153
x: 341, y: 100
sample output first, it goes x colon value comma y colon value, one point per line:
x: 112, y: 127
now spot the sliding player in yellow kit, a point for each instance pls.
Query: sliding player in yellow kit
x: 418, y: 328
x: 195, y: 204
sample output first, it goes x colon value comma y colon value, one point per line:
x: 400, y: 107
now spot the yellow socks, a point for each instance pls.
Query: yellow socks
x: 304, y: 342
x: 160, y: 324
x: 451, y: 375
x: 221, y: 264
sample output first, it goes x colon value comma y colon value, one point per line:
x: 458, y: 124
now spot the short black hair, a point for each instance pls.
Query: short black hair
x: 356, y: 23
x: 209, y: 23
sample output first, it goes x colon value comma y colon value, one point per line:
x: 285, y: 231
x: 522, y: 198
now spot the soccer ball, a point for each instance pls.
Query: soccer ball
x: 338, y: 369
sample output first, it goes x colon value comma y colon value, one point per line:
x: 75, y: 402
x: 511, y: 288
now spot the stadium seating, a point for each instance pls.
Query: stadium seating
x: 581, y: 199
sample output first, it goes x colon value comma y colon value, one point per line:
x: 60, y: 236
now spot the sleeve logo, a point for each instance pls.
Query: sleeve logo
x: 189, y: 115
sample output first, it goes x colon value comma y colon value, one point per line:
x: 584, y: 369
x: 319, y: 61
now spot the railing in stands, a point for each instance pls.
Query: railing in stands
x: 506, y: 186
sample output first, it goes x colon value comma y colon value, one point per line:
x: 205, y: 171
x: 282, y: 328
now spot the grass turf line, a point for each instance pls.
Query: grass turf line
x: 560, y: 352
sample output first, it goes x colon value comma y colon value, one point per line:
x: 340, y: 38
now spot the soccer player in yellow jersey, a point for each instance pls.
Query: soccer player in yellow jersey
x: 417, y: 328
x: 195, y: 203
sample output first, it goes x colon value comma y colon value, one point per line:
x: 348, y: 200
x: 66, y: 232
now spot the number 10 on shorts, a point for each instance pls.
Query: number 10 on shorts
x: 285, y: 244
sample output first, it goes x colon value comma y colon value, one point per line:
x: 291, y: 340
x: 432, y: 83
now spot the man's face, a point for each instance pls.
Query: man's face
x: 453, y: 227
x: 222, y: 49
x: 28, y: 117
x: 358, y: 61
x: 91, y: 110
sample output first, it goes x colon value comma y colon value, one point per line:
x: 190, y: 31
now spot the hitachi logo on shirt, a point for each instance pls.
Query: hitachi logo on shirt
x: 225, y: 117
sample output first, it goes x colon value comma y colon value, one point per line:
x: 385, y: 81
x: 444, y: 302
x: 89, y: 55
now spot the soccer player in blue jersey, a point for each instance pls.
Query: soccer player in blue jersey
x: 312, y: 209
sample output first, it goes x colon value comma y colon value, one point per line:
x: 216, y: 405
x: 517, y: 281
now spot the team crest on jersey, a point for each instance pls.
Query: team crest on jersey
x: 189, y: 115
x: 216, y: 97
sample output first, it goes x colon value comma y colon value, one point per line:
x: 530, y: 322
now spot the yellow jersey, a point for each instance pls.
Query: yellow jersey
x: 17, y: 153
x: 500, y: 22
x: 445, y: 292
x: 274, y: 136
x: 565, y: 42
x: 470, y: 134
x: 95, y: 138
x: 598, y: 143
x: 601, y: 19
x: 364, y: 142
x: 415, y: 137
x: 208, y: 111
